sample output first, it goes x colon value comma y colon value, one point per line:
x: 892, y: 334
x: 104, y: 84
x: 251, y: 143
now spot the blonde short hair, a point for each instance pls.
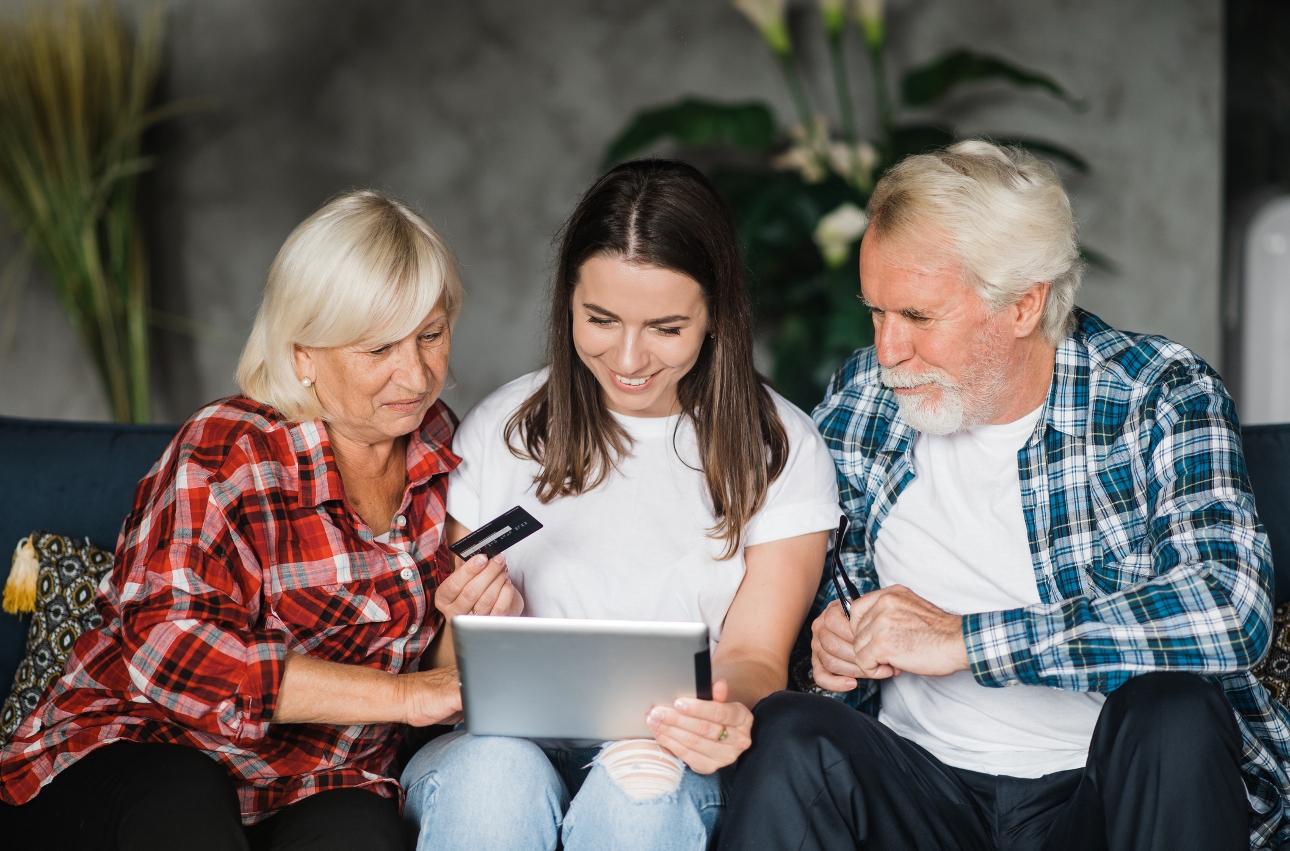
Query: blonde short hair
x: 363, y: 269
x: 1005, y: 212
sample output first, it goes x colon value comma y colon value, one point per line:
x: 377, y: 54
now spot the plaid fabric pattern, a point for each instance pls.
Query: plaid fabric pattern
x: 240, y: 547
x: 1147, y: 550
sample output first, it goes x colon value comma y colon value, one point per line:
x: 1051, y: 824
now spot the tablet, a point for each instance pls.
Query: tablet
x: 554, y: 678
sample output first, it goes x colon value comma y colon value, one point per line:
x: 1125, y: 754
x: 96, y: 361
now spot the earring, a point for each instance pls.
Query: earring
x: 305, y: 382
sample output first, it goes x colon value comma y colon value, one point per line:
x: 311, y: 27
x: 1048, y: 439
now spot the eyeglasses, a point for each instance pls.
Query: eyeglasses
x: 841, y: 582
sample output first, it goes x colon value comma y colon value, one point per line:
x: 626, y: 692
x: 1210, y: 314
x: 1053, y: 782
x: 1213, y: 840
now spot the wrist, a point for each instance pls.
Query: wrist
x: 958, y: 645
x: 399, y: 696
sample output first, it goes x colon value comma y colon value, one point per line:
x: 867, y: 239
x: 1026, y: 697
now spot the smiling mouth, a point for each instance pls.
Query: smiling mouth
x: 632, y: 383
x: 404, y: 405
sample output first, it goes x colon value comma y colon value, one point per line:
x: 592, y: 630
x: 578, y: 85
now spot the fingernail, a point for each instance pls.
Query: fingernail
x: 681, y: 704
x: 655, y: 716
x: 501, y: 559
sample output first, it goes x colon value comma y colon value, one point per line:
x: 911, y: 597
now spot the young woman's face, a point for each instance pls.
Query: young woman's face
x: 639, y: 329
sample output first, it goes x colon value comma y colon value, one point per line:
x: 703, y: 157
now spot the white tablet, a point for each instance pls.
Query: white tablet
x: 554, y: 678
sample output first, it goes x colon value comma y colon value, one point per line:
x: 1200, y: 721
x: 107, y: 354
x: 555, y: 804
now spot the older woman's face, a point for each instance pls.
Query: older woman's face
x: 376, y: 393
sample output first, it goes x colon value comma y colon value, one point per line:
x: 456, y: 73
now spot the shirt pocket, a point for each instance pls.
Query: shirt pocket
x: 336, y: 621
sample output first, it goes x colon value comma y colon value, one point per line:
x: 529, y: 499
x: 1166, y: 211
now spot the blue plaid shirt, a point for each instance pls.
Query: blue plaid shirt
x: 1147, y: 550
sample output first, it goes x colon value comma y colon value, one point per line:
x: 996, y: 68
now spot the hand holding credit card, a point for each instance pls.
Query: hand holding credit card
x: 497, y: 535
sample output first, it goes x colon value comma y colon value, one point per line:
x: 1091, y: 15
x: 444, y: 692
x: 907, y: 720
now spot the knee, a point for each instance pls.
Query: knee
x: 1170, y: 708
x: 191, y: 776
x: 789, y: 724
x: 472, y: 764
x: 641, y: 768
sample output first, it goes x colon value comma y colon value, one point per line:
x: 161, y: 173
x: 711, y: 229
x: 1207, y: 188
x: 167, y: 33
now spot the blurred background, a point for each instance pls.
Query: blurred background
x: 1169, y: 120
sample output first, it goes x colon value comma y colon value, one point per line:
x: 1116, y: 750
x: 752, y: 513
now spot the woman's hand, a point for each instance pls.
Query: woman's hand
x: 479, y: 587
x: 692, y: 729
x: 430, y: 697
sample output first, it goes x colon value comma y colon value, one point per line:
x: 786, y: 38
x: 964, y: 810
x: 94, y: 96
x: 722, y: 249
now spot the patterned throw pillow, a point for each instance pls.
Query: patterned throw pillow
x: 70, y: 571
x: 1274, y: 670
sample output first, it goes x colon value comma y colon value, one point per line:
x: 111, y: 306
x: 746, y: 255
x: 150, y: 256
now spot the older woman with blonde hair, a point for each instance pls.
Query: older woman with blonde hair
x: 269, y: 618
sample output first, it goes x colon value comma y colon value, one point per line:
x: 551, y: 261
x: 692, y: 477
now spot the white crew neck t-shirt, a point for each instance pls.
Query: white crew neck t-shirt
x: 636, y: 547
x: 957, y: 537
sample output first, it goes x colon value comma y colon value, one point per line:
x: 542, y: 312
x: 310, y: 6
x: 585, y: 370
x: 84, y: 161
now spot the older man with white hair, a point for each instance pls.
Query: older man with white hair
x: 1062, y: 580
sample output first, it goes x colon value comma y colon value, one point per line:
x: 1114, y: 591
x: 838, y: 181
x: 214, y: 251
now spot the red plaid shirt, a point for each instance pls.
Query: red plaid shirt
x: 240, y: 547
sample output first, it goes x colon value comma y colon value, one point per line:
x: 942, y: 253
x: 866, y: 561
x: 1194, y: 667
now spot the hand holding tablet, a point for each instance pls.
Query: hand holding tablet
x: 706, y: 735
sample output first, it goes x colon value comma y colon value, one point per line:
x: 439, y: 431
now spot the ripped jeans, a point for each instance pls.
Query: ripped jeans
x: 469, y: 792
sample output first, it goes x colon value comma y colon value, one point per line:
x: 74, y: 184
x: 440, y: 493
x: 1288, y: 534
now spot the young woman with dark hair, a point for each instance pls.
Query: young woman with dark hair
x: 673, y: 485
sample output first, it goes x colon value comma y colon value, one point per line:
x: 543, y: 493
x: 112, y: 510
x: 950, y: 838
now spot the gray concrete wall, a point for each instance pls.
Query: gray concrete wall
x: 492, y: 115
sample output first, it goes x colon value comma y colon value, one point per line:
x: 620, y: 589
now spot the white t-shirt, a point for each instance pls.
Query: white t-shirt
x: 636, y: 547
x: 957, y: 537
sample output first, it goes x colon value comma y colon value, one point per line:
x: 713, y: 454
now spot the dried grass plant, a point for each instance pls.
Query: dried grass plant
x: 76, y: 82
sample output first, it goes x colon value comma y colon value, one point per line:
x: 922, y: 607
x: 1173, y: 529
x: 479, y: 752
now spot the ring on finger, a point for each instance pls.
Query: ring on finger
x: 723, y: 734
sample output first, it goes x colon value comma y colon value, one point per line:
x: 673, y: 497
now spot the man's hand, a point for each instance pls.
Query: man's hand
x: 896, y: 630
x: 833, y: 656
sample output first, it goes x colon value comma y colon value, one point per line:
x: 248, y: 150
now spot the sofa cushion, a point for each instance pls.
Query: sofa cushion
x: 66, y: 587
x: 78, y: 478
x: 1267, y: 458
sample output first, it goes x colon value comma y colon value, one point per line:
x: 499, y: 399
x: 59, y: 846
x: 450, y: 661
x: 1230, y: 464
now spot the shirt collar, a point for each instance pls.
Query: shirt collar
x: 1067, y: 405
x: 428, y: 455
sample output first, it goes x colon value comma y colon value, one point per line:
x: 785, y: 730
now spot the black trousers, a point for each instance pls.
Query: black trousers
x: 1163, y: 772
x: 131, y: 796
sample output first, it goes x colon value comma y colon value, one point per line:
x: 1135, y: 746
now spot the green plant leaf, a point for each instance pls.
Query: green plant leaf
x: 910, y: 139
x: 692, y: 121
x: 928, y: 84
x: 1098, y: 259
x: 1047, y: 150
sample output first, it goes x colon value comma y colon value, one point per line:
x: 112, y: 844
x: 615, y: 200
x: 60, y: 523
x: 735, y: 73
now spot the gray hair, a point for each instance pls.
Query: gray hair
x: 363, y: 269
x: 1006, y: 214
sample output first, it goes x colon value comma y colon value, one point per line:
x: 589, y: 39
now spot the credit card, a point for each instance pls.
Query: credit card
x: 497, y: 535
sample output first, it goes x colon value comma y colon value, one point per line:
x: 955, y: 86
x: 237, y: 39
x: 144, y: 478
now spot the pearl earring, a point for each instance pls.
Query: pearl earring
x: 305, y: 382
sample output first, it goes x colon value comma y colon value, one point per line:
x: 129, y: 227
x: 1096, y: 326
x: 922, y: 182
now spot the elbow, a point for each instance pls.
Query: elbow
x: 1252, y: 636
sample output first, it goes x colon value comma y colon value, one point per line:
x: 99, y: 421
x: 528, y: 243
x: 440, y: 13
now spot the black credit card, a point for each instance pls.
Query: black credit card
x: 497, y: 535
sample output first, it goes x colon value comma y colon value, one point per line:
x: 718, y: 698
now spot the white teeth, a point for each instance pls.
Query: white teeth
x: 631, y: 382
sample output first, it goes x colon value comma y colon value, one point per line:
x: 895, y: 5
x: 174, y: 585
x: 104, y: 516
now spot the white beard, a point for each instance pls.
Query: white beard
x: 944, y: 416
x: 962, y: 405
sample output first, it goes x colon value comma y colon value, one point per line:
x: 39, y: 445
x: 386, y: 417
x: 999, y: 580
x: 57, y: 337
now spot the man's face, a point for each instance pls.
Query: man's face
x: 946, y: 356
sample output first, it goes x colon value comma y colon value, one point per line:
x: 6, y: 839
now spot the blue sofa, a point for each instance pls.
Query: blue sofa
x: 78, y: 479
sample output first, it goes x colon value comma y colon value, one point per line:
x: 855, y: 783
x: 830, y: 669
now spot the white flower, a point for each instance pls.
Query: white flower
x: 768, y: 17
x: 838, y: 231
x: 854, y: 163
x: 803, y: 161
x: 809, y: 154
x: 868, y: 14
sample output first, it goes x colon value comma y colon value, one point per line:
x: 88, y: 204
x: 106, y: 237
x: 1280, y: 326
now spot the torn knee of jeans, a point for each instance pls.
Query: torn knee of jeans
x: 641, y: 768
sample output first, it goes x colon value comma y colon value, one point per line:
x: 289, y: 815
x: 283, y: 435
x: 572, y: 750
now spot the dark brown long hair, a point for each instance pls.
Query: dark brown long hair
x: 665, y: 214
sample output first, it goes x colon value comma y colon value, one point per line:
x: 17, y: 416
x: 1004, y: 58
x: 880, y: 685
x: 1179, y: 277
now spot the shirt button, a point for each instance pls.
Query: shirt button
x: 400, y: 520
x: 406, y: 573
x: 412, y: 630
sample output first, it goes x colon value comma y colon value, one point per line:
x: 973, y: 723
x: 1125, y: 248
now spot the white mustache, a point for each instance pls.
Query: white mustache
x: 896, y: 377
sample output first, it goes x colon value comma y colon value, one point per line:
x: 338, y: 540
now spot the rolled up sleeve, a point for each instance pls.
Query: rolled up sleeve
x: 190, y: 647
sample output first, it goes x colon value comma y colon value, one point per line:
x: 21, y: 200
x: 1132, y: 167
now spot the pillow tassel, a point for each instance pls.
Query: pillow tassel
x: 20, y: 590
